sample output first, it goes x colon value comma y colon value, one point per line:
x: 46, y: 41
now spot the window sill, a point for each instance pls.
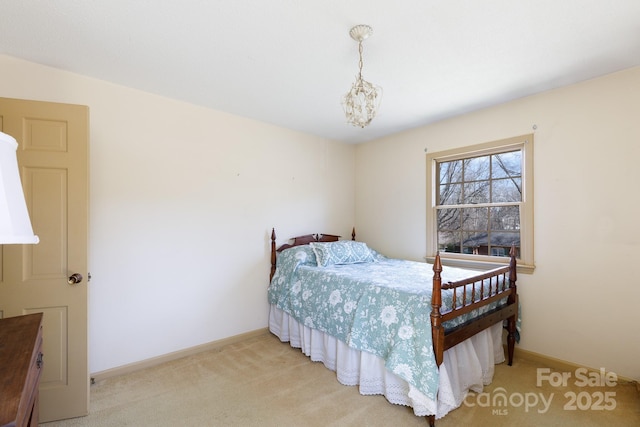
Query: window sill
x: 479, y: 265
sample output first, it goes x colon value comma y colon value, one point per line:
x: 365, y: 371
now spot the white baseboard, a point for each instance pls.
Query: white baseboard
x: 551, y: 362
x: 147, y: 363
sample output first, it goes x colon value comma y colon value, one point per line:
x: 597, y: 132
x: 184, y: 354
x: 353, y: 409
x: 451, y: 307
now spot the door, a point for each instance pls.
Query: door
x: 53, y: 162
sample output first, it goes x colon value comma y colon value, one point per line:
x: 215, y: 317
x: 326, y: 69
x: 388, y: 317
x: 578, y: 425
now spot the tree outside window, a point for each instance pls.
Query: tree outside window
x: 481, y: 201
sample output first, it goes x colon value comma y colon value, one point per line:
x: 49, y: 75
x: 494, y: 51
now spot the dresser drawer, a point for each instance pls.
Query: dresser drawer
x: 30, y: 391
x: 20, y: 369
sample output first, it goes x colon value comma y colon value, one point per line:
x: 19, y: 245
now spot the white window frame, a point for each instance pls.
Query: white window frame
x: 526, y: 259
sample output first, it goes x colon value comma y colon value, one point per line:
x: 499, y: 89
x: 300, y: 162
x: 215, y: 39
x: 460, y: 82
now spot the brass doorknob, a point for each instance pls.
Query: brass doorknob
x: 74, y: 278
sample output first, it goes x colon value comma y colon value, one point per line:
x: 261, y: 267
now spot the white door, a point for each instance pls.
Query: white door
x: 53, y: 161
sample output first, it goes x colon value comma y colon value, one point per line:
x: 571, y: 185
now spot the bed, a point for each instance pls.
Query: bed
x: 393, y: 327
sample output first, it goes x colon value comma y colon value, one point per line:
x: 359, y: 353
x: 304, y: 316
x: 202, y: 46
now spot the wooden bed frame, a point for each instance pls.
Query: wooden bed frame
x: 444, y: 340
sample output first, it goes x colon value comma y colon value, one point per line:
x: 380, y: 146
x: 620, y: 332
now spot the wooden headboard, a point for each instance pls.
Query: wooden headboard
x: 300, y: 240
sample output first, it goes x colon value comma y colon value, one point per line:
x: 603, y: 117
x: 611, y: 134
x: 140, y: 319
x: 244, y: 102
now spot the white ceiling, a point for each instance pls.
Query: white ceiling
x: 288, y: 62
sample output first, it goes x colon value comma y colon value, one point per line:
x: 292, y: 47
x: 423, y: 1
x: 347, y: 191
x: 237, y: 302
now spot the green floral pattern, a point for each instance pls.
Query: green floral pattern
x: 341, y: 252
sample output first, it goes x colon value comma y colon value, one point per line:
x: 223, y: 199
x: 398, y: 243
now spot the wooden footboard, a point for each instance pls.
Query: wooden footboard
x: 498, y: 288
x: 494, y: 285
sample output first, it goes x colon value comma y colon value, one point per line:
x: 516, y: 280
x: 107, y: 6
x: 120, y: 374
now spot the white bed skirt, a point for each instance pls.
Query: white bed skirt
x: 467, y: 366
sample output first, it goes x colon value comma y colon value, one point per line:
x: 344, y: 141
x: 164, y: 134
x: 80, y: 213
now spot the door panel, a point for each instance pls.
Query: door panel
x: 55, y: 348
x: 46, y: 259
x: 53, y: 162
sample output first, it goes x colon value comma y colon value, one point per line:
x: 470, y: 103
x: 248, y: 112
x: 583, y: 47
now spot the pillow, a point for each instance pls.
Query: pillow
x: 303, y: 255
x: 341, y: 252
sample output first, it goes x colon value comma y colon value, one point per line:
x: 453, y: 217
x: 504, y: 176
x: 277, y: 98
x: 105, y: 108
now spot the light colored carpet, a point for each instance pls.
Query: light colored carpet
x: 263, y: 382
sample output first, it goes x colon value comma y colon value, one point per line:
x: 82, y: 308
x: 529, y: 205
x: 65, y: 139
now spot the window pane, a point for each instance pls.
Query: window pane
x: 476, y: 192
x: 500, y: 242
x: 450, y: 194
x: 449, y: 241
x: 477, y: 168
x: 449, y: 219
x: 497, y: 251
x: 450, y: 171
x: 505, y: 218
x: 507, y: 165
x: 449, y: 227
x: 475, y: 243
x: 506, y: 190
x: 475, y: 219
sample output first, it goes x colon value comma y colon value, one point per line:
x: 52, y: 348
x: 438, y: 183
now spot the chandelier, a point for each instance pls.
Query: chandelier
x: 362, y: 101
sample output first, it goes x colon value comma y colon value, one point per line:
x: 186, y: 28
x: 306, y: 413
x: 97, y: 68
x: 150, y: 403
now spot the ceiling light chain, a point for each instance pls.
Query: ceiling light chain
x: 362, y: 101
x: 360, y: 62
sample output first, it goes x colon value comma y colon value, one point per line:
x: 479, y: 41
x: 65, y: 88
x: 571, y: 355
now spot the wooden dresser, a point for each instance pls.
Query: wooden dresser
x: 20, y: 368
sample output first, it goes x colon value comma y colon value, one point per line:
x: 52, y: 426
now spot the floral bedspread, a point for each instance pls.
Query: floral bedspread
x: 381, y: 307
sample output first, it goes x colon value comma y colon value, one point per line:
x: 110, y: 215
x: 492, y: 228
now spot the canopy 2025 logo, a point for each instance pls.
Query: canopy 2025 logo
x: 500, y: 401
x: 583, y: 400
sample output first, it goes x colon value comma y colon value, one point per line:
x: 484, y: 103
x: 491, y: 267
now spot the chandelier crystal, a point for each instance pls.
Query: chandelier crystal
x: 362, y: 101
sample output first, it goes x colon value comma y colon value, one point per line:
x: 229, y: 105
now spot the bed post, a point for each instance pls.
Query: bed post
x: 513, y: 299
x: 273, y: 254
x: 437, y: 331
x: 353, y: 234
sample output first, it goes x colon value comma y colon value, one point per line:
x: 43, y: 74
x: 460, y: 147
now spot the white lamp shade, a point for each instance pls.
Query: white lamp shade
x: 15, y: 226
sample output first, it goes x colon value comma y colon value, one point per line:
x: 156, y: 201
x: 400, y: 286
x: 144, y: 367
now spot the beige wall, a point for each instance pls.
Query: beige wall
x: 182, y: 203
x: 581, y: 304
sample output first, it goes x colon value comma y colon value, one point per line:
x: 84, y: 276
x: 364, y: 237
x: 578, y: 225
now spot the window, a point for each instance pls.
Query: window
x: 480, y: 203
